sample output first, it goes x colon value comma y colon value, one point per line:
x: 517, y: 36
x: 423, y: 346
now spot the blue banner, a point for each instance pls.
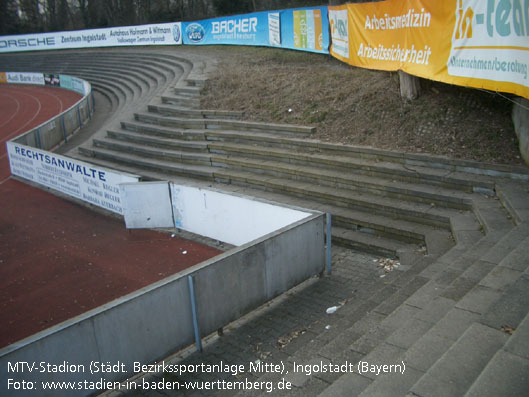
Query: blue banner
x: 245, y: 29
x: 72, y: 83
x: 305, y: 29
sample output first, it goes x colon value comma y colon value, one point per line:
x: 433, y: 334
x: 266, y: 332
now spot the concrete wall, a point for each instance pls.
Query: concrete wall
x: 231, y: 218
x: 155, y: 321
x: 520, y: 118
x: 227, y: 217
x: 56, y: 131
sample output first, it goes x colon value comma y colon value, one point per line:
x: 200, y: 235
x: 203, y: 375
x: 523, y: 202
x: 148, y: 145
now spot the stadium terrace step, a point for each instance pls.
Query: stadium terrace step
x: 193, y: 113
x: 179, y: 100
x: 370, y: 243
x: 224, y: 124
x: 506, y: 372
x: 166, y: 154
x: 195, y: 81
x: 135, y: 161
x: 187, y: 91
x: 152, y: 129
x: 337, y: 178
x: 368, y: 168
x: 142, y: 139
x: 461, y: 167
x: 448, y: 330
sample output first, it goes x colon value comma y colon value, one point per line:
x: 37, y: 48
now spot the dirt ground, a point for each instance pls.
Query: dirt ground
x: 361, y: 107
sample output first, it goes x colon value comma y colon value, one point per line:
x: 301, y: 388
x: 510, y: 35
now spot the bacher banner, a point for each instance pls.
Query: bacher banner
x: 154, y: 34
x: 246, y: 29
x: 305, y: 29
x: 476, y: 43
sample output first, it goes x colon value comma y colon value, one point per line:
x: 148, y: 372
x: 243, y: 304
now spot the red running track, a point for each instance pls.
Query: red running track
x: 24, y: 107
x: 59, y: 259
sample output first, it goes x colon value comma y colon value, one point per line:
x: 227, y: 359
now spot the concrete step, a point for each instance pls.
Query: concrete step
x: 415, y: 212
x: 428, y: 331
x: 491, y: 214
x: 323, y: 176
x: 454, y: 373
x: 173, y: 133
x: 370, y: 243
x: 513, y: 196
x: 189, y: 91
x: 399, y: 209
x: 482, y: 298
x: 171, y: 110
x: 336, y: 177
x: 506, y: 373
x: 373, y: 225
x: 370, y: 231
x: 135, y: 162
x: 388, y: 170
x: 285, y: 129
x: 141, y: 150
x: 179, y: 100
x: 352, y: 165
x: 131, y: 80
x: 330, y: 177
x: 196, y: 81
x: 408, y: 159
x: 159, y: 142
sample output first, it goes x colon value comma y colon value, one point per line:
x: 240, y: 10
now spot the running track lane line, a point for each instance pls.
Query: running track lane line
x: 58, y: 101
x: 38, y: 92
x: 16, y: 110
x: 4, y: 139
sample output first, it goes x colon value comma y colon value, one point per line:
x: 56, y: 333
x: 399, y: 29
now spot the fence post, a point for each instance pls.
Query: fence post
x: 79, y: 115
x: 196, y: 328
x: 88, y: 105
x: 329, y: 243
x: 64, y: 129
x: 37, y: 135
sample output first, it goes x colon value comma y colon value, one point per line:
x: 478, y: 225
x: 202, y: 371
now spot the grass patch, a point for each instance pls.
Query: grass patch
x: 358, y: 106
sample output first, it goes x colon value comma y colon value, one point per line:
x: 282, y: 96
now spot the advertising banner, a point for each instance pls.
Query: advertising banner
x: 305, y: 29
x: 482, y: 44
x: 245, y: 29
x: 95, y: 185
x: 490, y: 42
x: 24, y: 78
x: 63, y: 81
x: 73, y: 84
x: 141, y: 35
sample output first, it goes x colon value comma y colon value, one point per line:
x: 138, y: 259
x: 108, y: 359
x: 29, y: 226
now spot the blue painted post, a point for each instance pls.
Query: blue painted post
x: 198, y: 341
x: 89, y: 112
x: 79, y: 115
x: 64, y: 129
x: 329, y: 244
x: 37, y: 135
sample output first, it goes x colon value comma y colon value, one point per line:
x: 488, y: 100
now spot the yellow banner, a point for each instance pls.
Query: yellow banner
x: 476, y: 43
x: 3, y: 78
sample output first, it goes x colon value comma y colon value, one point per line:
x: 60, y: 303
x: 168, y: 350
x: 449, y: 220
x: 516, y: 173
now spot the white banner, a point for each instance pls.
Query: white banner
x: 274, y: 28
x: 95, y: 185
x: 25, y: 78
x: 141, y: 35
